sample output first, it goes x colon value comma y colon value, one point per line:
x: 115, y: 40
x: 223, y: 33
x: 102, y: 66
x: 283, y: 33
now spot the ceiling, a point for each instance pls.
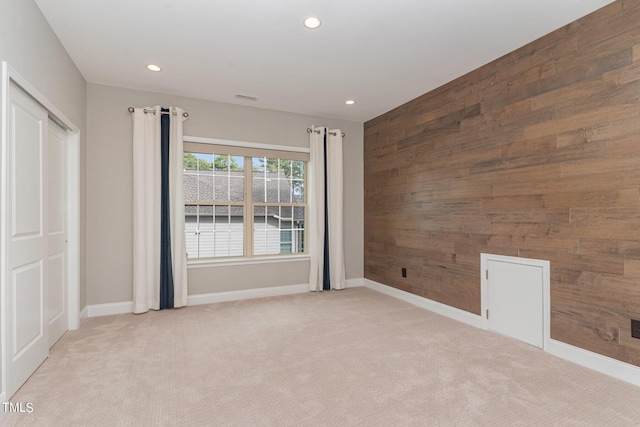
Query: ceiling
x: 379, y: 53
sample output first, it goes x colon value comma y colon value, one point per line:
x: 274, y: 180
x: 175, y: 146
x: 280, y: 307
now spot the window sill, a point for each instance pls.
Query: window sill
x: 223, y: 262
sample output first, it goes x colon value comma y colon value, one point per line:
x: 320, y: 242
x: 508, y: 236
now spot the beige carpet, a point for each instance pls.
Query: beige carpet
x: 348, y: 358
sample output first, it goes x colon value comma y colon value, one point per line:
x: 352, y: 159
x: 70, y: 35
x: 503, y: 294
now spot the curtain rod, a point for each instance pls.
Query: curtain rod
x: 185, y: 114
x: 318, y: 131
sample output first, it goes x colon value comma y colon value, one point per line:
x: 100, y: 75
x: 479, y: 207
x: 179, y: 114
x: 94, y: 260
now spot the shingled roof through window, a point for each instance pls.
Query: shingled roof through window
x: 226, y: 186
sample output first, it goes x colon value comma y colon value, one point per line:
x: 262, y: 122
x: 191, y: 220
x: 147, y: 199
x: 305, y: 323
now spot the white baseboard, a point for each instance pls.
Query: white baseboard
x: 434, y: 306
x: 352, y: 283
x: 84, y: 313
x: 246, y: 294
x: 603, y: 364
x: 96, y: 310
x: 257, y: 293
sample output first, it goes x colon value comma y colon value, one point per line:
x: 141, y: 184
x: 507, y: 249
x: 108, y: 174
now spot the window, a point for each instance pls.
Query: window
x: 243, y: 202
x: 214, y: 205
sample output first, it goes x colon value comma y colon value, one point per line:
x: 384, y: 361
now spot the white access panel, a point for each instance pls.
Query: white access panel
x: 515, y: 291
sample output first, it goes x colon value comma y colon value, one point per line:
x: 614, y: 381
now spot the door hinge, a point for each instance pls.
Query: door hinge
x: 487, y: 274
x: 487, y: 314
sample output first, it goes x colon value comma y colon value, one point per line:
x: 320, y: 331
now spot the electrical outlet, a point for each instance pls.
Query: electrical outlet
x: 635, y: 328
x: 404, y: 272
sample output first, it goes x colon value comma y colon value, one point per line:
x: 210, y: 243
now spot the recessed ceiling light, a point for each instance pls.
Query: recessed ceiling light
x: 349, y: 102
x: 312, y: 22
x: 153, y: 67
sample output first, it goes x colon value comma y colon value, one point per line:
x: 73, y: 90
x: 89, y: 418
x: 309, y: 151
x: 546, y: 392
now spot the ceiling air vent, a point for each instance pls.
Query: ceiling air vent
x: 246, y: 98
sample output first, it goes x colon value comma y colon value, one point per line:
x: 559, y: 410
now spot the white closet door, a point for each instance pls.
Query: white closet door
x: 56, y: 291
x: 26, y: 161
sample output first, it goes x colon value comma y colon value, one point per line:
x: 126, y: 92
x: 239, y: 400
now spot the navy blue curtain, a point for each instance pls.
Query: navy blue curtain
x: 166, y: 266
x: 326, y: 282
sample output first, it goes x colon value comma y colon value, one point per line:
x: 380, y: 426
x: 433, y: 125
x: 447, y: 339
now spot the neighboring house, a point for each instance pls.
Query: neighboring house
x: 214, y: 214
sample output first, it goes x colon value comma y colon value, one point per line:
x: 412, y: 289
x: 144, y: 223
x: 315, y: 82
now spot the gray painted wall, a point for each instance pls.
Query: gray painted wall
x: 29, y: 45
x: 109, y: 188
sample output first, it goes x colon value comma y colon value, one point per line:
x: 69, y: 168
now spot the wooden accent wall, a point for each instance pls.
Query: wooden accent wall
x: 536, y: 155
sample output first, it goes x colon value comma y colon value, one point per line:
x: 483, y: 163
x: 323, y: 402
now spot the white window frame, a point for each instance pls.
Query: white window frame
x: 249, y: 258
